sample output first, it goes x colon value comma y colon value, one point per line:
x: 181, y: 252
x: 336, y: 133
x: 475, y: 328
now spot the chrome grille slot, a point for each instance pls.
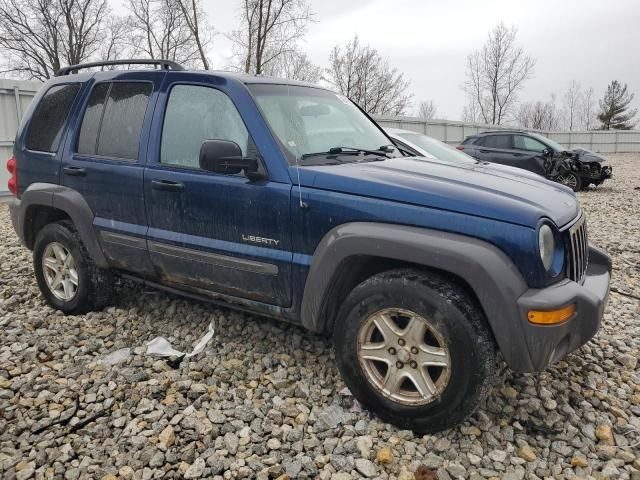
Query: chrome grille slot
x: 578, y: 254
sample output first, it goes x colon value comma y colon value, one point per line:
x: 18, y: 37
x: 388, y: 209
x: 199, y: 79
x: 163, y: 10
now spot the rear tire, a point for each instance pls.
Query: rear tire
x: 452, y: 340
x: 67, y: 277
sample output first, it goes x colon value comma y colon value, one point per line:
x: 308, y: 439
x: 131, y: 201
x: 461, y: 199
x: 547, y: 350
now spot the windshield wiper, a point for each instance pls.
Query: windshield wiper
x: 350, y: 151
x: 383, y: 150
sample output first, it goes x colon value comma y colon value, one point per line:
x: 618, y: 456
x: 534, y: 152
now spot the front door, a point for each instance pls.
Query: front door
x: 213, y: 232
x: 531, y: 154
x: 104, y: 161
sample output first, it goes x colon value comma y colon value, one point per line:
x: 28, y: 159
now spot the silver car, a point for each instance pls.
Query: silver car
x: 419, y: 145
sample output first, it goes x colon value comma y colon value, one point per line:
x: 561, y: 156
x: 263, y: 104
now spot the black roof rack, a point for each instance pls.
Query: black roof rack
x: 164, y: 64
x: 503, y: 131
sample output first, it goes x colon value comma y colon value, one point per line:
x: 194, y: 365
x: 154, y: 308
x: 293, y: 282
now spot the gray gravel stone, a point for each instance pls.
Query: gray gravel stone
x: 366, y: 467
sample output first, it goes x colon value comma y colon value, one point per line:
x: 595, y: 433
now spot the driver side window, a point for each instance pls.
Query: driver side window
x: 520, y: 142
x: 195, y: 114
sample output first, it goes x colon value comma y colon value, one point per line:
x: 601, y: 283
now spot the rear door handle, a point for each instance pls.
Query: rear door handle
x: 167, y: 185
x: 74, y: 171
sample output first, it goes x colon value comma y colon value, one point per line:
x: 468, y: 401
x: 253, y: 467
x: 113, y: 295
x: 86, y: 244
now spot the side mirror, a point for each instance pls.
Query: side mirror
x: 546, y: 152
x: 225, y: 157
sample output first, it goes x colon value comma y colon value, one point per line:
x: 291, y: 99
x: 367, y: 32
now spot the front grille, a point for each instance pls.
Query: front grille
x: 578, y: 251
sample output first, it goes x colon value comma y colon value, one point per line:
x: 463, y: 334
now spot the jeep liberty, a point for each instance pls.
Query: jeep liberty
x: 286, y: 200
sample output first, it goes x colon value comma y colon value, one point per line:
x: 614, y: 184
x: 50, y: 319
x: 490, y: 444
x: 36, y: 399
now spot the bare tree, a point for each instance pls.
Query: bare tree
x: 268, y: 30
x: 427, y: 110
x: 538, y: 115
x: 363, y: 75
x: 37, y: 37
x: 294, y: 65
x: 195, y: 18
x: 471, y: 113
x: 158, y: 29
x: 587, y: 109
x: 571, y: 104
x: 115, y: 44
x: 496, y: 73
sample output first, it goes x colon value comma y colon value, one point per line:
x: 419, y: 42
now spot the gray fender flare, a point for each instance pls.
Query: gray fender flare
x: 69, y: 201
x: 491, y: 275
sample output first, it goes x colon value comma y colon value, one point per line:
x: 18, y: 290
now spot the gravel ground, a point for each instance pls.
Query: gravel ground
x: 264, y: 400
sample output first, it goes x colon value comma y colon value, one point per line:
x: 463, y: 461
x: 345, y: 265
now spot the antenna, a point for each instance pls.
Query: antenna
x: 303, y: 205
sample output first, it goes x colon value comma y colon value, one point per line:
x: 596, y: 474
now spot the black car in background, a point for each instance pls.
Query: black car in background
x: 577, y: 168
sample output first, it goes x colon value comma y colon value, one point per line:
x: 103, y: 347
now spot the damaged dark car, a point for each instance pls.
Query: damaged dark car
x: 576, y: 168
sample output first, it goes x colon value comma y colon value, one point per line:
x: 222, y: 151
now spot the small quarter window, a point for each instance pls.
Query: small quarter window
x: 49, y: 118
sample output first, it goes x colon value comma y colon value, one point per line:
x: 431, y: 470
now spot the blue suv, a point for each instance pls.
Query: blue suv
x: 286, y: 200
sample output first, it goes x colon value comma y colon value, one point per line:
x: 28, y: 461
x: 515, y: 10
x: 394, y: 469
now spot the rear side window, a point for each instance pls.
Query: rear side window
x: 497, y: 141
x: 49, y: 117
x: 113, y: 120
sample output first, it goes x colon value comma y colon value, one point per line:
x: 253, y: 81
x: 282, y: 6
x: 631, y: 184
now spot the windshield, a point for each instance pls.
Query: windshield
x: 309, y: 122
x: 436, y: 148
x: 555, y: 145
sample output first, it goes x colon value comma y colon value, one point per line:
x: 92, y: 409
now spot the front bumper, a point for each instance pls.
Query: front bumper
x: 549, y: 343
x: 596, y: 174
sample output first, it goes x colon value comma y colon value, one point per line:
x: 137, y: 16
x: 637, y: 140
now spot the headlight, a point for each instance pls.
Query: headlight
x: 547, y: 245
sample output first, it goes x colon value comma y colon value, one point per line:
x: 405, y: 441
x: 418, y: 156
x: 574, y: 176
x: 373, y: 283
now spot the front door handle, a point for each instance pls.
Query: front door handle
x: 167, y: 185
x: 74, y: 171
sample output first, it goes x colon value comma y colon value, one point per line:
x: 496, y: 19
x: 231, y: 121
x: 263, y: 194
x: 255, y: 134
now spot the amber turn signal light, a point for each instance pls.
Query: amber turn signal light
x: 551, y: 317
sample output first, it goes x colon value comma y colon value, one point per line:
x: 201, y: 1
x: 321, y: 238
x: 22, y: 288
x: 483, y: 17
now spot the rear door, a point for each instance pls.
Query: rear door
x: 105, y: 163
x: 495, y: 148
x: 213, y: 232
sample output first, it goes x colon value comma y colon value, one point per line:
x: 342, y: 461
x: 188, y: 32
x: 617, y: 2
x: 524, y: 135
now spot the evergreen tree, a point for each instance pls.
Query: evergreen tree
x: 615, y: 113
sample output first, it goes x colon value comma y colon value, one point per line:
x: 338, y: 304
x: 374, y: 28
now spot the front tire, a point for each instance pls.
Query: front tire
x: 415, y: 349
x: 571, y: 180
x: 67, y: 277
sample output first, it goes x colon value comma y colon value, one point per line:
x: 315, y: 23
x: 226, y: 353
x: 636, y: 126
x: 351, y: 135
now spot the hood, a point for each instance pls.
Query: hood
x: 477, y: 189
x: 587, y: 156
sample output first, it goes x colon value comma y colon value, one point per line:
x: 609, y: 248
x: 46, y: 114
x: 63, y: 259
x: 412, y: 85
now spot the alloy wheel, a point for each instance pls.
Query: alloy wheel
x: 569, y: 180
x: 60, y: 273
x: 404, y: 356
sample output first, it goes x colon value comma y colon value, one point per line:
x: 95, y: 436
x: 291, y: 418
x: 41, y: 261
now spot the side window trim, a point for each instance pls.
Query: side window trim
x: 104, y: 109
x: 65, y: 127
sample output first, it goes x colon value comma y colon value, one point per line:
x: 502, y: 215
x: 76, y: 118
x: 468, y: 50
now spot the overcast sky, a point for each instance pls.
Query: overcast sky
x: 592, y: 41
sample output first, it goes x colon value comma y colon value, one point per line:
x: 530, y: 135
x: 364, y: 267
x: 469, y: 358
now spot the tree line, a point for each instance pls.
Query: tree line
x: 497, y: 73
x: 38, y: 37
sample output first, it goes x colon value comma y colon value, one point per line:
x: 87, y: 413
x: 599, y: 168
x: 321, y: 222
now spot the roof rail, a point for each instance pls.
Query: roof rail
x: 504, y: 130
x: 164, y: 64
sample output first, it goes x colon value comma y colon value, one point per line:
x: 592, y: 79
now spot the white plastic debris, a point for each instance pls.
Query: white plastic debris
x: 116, y: 357
x: 160, y: 346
